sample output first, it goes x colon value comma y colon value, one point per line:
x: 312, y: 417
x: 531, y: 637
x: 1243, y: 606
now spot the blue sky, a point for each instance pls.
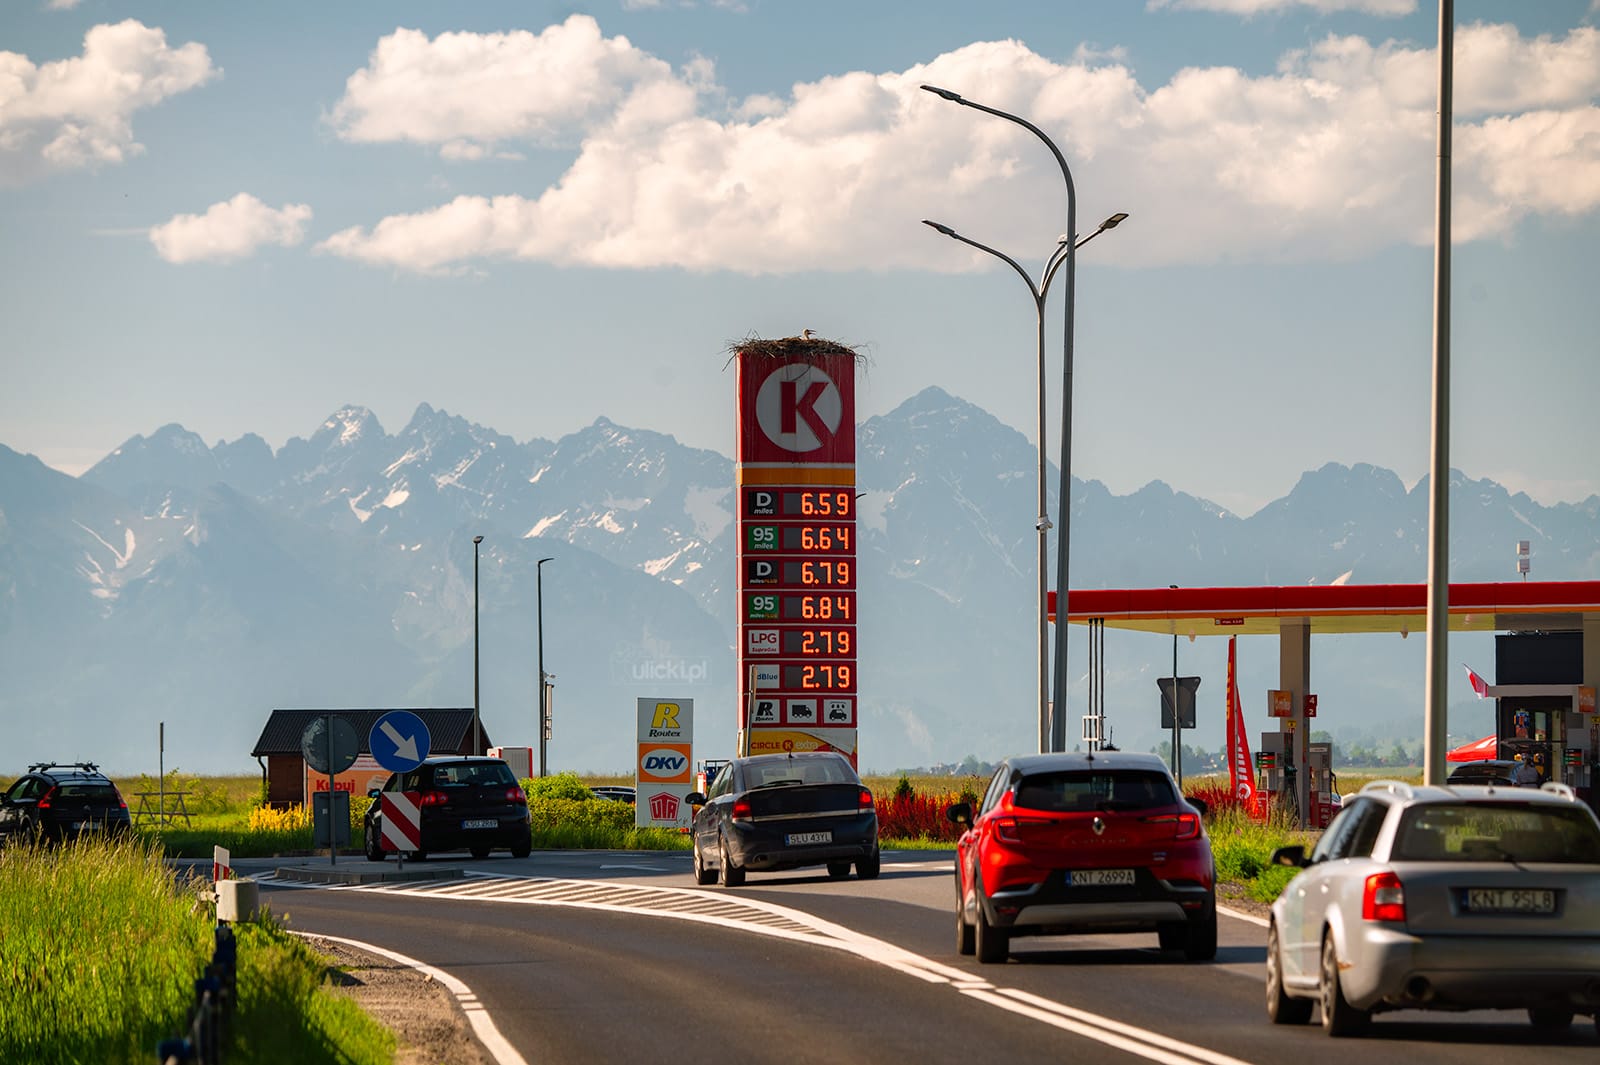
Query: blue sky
x: 242, y: 217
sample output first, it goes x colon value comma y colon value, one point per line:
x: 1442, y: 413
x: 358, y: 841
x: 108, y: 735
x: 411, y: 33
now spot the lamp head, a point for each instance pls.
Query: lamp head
x: 946, y: 230
x: 943, y: 94
x: 1115, y: 220
x: 477, y: 539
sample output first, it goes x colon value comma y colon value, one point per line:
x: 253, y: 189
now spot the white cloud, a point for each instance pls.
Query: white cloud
x: 464, y: 93
x: 1248, y: 8
x: 230, y: 230
x: 62, y: 5
x: 1331, y: 155
x: 74, y: 113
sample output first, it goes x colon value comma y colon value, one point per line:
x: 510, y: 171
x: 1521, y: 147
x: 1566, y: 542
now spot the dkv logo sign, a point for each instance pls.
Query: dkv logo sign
x: 666, y: 763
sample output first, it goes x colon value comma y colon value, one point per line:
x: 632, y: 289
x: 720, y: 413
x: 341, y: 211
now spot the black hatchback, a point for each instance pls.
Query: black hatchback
x: 53, y: 802
x: 463, y: 803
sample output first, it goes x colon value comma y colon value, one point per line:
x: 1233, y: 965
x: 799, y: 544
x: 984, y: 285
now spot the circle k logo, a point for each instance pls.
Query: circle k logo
x: 799, y: 407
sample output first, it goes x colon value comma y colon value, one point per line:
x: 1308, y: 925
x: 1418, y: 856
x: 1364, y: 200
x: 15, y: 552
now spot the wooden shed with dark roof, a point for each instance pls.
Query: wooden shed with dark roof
x: 283, y: 767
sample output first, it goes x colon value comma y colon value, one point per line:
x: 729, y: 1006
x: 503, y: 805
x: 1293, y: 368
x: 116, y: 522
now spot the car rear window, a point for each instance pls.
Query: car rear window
x: 1497, y: 832
x: 89, y: 792
x: 1094, y: 789
x: 798, y: 771
x: 467, y: 774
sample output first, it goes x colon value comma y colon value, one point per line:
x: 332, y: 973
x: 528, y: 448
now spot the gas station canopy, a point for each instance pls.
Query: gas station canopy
x: 1550, y: 606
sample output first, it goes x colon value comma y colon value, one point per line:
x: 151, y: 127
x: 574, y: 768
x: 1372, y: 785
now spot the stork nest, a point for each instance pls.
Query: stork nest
x: 788, y: 348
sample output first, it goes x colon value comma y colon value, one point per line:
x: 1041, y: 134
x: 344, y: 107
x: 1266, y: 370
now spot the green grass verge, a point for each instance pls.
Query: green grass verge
x: 103, y: 943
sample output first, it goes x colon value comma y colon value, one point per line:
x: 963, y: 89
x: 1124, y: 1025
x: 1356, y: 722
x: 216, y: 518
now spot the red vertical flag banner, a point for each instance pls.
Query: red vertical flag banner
x: 1240, y: 775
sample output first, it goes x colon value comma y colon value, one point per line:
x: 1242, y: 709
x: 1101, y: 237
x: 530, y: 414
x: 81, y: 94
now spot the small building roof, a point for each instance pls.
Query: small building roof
x: 448, y: 729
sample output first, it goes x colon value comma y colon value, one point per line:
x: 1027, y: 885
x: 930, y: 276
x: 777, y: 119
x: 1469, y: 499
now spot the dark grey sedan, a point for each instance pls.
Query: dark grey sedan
x: 785, y: 811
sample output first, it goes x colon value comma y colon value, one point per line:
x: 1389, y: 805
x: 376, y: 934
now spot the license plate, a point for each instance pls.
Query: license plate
x: 798, y: 839
x: 1510, y: 900
x: 490, y: 823
x: 1099, y: 877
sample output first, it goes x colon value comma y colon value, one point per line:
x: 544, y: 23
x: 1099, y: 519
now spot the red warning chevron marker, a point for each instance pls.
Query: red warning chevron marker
x: 402, y: 820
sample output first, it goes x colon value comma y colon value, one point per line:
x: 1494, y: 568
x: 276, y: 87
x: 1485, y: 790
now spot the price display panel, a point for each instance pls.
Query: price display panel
x: 835, y: 607
x: 808, y: 504
x: 825, y: 539
x: 818, y: 676
x: 817, y: 573
x: 817, y: 643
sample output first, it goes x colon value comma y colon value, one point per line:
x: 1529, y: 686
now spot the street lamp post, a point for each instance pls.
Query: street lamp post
x: 538, y: 594
x: 1052, y: 726
x: 477, y: 728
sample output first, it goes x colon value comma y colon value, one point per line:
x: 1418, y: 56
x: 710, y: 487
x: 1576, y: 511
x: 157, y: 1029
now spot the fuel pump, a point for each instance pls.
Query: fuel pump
x: 1319, y: 767
x: 1272, y: 761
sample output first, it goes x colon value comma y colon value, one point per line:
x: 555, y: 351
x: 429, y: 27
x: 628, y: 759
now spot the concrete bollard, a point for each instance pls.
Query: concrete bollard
x: 237, y: 900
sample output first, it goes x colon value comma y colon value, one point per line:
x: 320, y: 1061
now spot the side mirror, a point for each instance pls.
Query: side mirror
x: 1293, y: 856
x: 959, y: 812
x: 1198, y: 804
x: 695, y: 798
x: 373, y: 793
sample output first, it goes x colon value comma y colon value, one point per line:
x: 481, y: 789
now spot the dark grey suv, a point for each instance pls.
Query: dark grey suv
x: 465, y: 803
x: 53, y: 802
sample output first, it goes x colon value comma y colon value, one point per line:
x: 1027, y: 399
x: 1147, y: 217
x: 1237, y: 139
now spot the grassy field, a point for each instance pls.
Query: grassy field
x: 103, y: 943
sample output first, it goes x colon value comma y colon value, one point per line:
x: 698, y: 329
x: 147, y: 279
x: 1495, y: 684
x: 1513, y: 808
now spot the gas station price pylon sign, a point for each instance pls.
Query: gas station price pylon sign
x: 796, y: 474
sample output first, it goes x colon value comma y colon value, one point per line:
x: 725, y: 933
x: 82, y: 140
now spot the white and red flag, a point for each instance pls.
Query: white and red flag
x: 1241, y: 776
x: 1479, y: 685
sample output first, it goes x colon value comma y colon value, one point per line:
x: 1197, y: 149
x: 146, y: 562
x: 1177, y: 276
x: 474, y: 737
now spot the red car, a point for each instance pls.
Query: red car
x: 1070, y: 843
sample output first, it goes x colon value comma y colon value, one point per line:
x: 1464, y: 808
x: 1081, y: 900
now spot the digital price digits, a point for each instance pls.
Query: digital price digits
x: 820, y: 676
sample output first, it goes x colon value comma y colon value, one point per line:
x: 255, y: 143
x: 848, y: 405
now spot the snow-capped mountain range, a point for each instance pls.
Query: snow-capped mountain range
x: 202, y: 586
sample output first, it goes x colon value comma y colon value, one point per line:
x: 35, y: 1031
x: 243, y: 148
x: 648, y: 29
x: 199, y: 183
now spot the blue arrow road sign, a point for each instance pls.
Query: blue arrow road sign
x: 399, y: 741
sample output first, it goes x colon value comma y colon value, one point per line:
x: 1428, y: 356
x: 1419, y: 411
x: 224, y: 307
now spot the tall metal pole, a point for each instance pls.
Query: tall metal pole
x: 477, y: 728
x: 1052, y: 727
x: 538, y: 595
x: 1435, y: 711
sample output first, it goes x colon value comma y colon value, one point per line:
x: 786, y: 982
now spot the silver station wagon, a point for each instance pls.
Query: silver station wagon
x: 1441, y: 898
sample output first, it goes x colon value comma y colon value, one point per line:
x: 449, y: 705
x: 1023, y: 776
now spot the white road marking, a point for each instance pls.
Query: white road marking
x: 716, y: 907
x: 482, y: 1026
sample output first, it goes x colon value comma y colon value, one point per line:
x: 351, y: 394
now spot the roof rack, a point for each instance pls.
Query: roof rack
x: 88, y: 767
x: 1393, y: 787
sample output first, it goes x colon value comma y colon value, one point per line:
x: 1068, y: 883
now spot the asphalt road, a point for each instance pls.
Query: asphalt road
x: 618, y: 957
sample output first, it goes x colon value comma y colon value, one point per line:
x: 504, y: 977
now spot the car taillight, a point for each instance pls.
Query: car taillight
x: 864, y: 800
x: 741, y: 809
x: 44, y: 802
x: 1384, y: 898
x: 432, y: 798
x: 516, y: 795
x: 1185, y: 826
x: 1008, y: 829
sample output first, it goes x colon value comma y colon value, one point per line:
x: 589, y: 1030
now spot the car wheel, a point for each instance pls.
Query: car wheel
x: 869, y: 867
x: 523, y: 847
x: 1339, y: 1018
x: 1200, y: 935
x: 1550, y: 1018
x: 728, y: 874
x: 1281, y: 1009
x: 966, y: 937
x: 838, y: 870
x: 375, y: 852
x: 702, y: 875
x: 992, y: 945
x: 479, y: 851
